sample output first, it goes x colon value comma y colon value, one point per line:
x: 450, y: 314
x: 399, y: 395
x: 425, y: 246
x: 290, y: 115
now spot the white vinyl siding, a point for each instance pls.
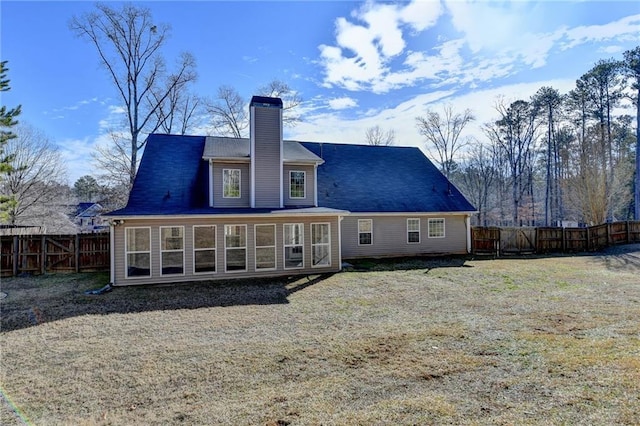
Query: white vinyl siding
x: 293, y: 245
x: 365, y: 232
x: 137, y: 252
x: 235, y: 248
x: 413, y: 231
x: 320, y: 244
x: 265, y: 245
x: 436, y: 228
x: 171, y: 250
x: 204, y: 249
x: 231, y: 179
x: 297, y: 181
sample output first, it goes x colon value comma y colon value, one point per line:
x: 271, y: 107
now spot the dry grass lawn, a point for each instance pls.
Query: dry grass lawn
x: 552, y: 340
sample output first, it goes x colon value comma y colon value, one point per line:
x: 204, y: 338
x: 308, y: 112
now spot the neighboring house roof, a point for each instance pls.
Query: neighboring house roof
x: 236, y: 148
x: 173, y: 179
x: 88, y: 209
x: 386, y: 179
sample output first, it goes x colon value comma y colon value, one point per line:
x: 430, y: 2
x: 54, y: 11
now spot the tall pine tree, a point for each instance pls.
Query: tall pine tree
x: 7, y: 121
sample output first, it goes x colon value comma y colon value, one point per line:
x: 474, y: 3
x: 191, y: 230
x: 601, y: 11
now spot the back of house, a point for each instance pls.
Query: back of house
x: 206, y: 207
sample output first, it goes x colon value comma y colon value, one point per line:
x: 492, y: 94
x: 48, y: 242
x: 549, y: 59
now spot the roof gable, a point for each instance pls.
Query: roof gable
x: 364, y: 178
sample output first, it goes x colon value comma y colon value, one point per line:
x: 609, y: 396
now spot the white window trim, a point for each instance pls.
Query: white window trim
x: 215, y: 249
x: 370, y: 232
x: 304, y: 184
x: 256, y: 247
x: 418, y: 231
x: 444, y: 227
x: 226, y: 249
x: 328, y: 244
x: 127, y: 253
x: 172, y: 251
x: 284, y: 245
x: 239, y: 183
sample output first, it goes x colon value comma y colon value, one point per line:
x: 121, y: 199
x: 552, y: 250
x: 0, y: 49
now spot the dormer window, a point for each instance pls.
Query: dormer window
x: 231, y: 183
x: 297, y: 184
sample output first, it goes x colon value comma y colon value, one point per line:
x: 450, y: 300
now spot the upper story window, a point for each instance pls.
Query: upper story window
x: 296, y: 184
x: 365, y: 231
x: 231, y: 183
x: 436, y: 228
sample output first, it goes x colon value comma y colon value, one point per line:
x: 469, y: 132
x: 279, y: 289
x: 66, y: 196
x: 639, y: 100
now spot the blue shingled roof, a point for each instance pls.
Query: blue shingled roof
x: 364, y: 178
x: 173, y: 179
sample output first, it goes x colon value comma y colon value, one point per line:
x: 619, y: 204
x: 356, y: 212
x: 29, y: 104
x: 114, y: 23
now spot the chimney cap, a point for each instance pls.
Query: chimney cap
x: 267, y: 102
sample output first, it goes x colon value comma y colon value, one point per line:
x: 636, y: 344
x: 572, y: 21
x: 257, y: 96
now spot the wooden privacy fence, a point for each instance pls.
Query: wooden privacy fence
x: 498, y: 241
x: 38, y: 254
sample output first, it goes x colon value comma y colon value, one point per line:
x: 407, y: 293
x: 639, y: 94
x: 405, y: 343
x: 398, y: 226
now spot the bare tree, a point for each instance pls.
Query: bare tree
x: 113, y: 160
x: 36, y: 175
x: 442, y: 133
x: 515, y: 134
x: 228, y: 112
x: 291, y: 100
x: 376, y: 136
x: 479, y: 171
x: 129, y: 44
x: 179, y: 113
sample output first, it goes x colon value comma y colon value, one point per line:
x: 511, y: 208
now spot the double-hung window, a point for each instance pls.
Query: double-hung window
x: 231, y: 183
x: 320, y: 244
x: 413, y: 230
x: 204, y: 249
x: 296, y: 184
x: 365, y: 232
x: 235, y: 246
x: 436, y: 228
x: 172, y: 250
x: 293, y: 246
x: 265, y: 236
x: 138, y: 252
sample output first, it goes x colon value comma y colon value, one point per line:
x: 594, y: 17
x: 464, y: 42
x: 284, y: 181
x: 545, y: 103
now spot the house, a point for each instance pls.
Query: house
x: 88, y: 218
x: 212, y: 207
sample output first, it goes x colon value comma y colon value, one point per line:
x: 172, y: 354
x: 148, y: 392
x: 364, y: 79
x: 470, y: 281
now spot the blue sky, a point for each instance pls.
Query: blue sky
x: 355, y: 64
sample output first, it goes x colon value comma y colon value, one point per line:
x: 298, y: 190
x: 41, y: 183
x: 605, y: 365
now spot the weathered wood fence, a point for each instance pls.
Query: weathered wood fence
x: 39, y: 254
x: 496, y: 241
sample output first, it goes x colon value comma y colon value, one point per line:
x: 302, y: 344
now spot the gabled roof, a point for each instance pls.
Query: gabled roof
x: 173, y: 179
x: 239, y: 148
x: 88, y: 209
x: 364, y: 178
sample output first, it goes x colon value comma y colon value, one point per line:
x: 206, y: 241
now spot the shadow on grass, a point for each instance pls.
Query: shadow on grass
x: 33, y: 300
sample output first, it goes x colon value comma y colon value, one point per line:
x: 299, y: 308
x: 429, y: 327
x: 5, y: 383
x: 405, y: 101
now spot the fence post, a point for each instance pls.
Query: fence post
x: 628, y: 225
x: 609, y: 234
x: 564, y: 240
x: 16, y: 257
x: 588, y: 242
x: 43, y: 254
x: 77, y: 250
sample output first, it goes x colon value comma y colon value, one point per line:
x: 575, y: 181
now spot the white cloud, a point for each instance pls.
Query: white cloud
x: 364, y: 49
x: 342, y: 103
x: 625, y: 29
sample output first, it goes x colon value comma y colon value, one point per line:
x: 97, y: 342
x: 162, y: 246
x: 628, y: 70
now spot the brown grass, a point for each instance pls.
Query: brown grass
x: 509, y: 341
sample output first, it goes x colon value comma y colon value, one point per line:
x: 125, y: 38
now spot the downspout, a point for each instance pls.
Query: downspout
x: 467, y: 221
x: 112, y: 255
x: 340, y: 218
